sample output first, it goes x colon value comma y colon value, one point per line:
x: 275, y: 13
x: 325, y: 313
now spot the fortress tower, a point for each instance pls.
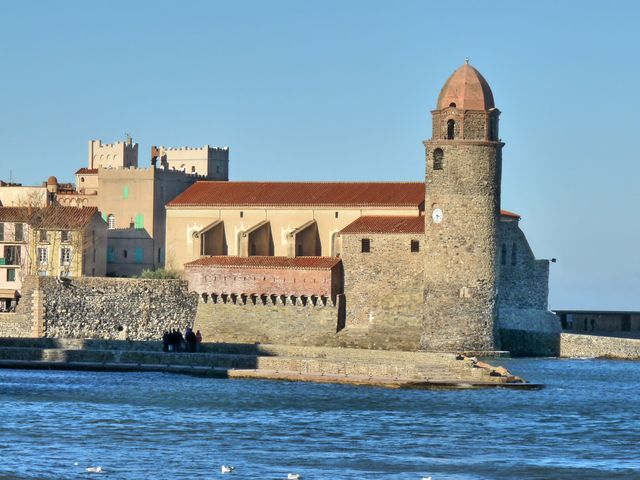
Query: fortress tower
x: 464, y: 160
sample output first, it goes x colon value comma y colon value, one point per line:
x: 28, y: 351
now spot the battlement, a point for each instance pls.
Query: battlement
x: 255, y: 299
x: 123, y: 144
x: 204, y: 148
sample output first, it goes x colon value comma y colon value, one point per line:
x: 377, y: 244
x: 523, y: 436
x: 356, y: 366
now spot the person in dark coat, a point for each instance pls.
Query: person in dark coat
x: 165, y: 341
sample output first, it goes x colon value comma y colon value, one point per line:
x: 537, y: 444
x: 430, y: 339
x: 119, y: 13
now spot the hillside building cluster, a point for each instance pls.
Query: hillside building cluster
x: 438, y: 260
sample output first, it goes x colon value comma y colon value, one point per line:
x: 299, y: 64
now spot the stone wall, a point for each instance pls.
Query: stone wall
x: 269, y: 319
x: 574, y: 345
x: 115, y: 308
x: 385, y: 285
x: 24, y: 322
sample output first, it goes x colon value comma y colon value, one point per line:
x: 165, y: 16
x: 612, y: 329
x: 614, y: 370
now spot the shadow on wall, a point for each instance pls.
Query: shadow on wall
x: 526, y: 343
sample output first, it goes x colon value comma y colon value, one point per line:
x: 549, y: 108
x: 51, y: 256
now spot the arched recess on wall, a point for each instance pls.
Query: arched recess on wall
x: 438, y: 159
x: 451, y: 129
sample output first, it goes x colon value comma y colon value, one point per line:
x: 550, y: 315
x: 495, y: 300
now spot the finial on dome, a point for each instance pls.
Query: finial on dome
x: 466, y: 60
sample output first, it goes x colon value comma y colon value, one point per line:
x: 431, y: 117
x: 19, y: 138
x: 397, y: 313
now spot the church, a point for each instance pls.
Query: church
x: 436, y: 265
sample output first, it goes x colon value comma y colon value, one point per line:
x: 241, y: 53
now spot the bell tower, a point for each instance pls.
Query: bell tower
x: 462, y: 203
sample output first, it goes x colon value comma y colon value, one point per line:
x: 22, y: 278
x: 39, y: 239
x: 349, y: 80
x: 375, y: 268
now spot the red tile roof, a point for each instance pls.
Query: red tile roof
x: 278, y: 194
x: 62, y: 217
x: 14, y: 214
x: 86, y: 171
x: 386, y: 224
x: 507, y: 213
x: 308, y: 263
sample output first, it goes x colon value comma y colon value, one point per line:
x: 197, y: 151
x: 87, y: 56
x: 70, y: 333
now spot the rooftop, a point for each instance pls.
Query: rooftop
x: 305, y: 263
x: 278, y: 194
x: 49, y: 217
x: 386, y: 224
x: 467, y: 89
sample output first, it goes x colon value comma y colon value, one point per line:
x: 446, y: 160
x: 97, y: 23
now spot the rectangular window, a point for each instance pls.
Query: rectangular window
x: 1, y: 232
x: 139, y: 255
x: 65, y: 236
x: 19, y: 233
x: 139, y: 220
x: 125, y: 192
x: 337, y: 215
x: 366, y: 245
x: 415, y: 246
x: 111, y: 254
x: 43, y: 236
x: 65, y: 256
x: 43, y: 255
x: 11, y: 255
x: 11, y: 274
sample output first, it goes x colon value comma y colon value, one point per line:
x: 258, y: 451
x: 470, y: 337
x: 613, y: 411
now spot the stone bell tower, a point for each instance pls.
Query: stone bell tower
x: 464, y: 160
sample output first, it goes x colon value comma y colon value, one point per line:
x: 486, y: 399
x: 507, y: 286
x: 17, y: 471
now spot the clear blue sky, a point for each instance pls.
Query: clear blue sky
x: 341, y: 90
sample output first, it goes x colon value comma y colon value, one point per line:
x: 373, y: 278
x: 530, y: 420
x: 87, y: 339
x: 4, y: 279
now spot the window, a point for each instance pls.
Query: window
x: 42, y: 255
x: 366, y: 245
x: 65, y: 236
x: 415, y: 246
x: 193, y: 169
x: 111, y: 221
x: 139, y: 223
x: 11, y: 255
x: 452, y: 105
x: 124, y: 253
x: 451, y: 129
x: 82, y: 179
x: 139, y: 255
x: 159, y: 255
x: 19, y: 232
x: 241, y: 214
x: 514, y: 255
x: 503, y: 255
x: 438, y: 157
x: 65, y: 256
x: 111, y: 254
x: 337, y: 215
x: 125, y: 192
x: 11, y: 274
x: 1, y: 232
x: 43, y: 236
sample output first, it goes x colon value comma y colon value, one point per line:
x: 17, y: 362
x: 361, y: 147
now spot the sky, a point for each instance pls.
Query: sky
x: 342, y: 90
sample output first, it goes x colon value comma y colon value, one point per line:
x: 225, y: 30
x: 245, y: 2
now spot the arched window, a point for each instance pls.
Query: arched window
x: 503, y: 255
x: 438, y: 157
x: 514, y: 254
x: 451, y: 129
x: 452, y: 105
x: 111, y: 221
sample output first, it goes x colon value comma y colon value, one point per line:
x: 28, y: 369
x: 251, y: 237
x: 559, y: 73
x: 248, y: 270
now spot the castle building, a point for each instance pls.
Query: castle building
x: 434, y: 265
x: 131, y: 199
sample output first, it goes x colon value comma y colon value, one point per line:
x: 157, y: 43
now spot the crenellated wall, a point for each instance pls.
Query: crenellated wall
x: 279, y: 319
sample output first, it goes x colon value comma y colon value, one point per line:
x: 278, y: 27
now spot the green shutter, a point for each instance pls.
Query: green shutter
x: 3, y: 261
x: 139, y: 220
x: 139, y: 255
x: 125, y: 192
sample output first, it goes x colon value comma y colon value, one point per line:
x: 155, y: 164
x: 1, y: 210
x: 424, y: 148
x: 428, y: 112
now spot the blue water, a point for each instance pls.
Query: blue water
x: 584, y: 425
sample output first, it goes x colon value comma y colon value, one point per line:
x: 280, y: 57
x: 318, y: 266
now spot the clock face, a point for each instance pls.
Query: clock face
x: 437, y: 215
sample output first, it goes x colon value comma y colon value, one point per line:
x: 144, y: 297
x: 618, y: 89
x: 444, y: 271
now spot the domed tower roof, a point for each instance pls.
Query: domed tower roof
x: 467, y: 89
x: 52, y: 180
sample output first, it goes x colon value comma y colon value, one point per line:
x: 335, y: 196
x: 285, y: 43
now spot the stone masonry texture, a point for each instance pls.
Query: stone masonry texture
x: 115, y: 308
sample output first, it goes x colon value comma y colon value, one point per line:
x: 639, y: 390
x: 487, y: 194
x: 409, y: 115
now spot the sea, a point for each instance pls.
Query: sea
x: 584, y: 424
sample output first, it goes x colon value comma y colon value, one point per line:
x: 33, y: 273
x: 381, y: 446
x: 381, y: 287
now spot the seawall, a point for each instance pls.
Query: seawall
x: 574, y: 345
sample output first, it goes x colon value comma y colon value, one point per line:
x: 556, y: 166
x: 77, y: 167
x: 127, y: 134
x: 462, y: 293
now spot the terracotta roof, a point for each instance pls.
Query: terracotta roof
x: 52, y: 180
x: 14, y: 214
x: 507, y: 213
x: 62, y: 217
x: 386, y: 224
x: 356, y: 194
x: 86, y: 171
x: 468, y: 89
x: 308, y: 263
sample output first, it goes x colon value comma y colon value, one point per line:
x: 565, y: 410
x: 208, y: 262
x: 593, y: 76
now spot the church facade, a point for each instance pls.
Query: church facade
x: 434, y: 265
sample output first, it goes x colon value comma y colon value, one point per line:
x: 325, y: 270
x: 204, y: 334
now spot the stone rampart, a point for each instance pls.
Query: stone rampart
x: 115, y: 308
x: 287, y: 320
x: 574, y: 345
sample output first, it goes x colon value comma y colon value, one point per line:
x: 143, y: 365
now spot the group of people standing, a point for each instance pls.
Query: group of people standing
x: 175, y: 341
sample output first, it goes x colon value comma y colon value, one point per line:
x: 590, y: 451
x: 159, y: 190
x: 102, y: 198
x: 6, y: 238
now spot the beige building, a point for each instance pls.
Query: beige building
x: 289, y: 219
x: 17, y: 195
x: 50, y: 241
x: 131, y: 199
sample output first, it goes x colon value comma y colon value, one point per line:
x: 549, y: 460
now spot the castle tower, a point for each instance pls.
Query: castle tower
x: 464, y: 159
